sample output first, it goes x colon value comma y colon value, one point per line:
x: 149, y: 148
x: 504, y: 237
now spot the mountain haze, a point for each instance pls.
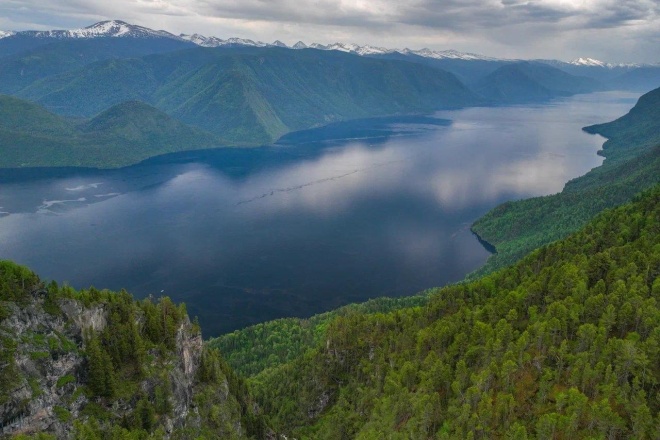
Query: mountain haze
x: 530, y: 82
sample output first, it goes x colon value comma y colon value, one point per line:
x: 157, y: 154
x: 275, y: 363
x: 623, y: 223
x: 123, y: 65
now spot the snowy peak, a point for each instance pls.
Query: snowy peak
x: 587, y: 62
x: 5, y: 34
x: 359, y: 50
x: 203, y: 41
x: 278, y: 43
x: 591, y: 62
x: 374, y: 50
x: 110, y: 28
x: 448, y: 55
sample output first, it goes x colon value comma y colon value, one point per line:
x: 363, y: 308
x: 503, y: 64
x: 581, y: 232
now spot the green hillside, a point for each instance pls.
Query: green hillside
x: 563, y: 345
x: 639, y: 129
x: 529, y: 82
x: 632, y: 164
x: 127, y: 133
x: 254, y: 95
x: 19, y: 70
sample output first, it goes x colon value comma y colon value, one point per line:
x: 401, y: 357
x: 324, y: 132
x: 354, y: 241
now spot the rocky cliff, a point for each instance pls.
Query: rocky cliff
x: 98, y: 364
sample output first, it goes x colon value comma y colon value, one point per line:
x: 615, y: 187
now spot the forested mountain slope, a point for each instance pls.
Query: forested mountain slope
x: 31, y: 136
x: 254, y: 95
x: 632, y: 164
x: 22, y: 69
x: 99, y: 365
x: 564, y: 344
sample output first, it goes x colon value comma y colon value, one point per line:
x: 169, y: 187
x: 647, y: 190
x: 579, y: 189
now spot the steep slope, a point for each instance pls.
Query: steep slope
x: 632, y: 164
x: 561, y: 345
x: 254, y: 95
x: 530, y: 82
x: 92, y: 89
x: 97, y: 364
x: 20, y: 70
x: 127, y: 133
x: 638, y: 129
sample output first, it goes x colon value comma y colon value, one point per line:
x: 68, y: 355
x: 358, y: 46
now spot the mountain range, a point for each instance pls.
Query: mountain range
x: 248, y: 93
x: 118, y: 28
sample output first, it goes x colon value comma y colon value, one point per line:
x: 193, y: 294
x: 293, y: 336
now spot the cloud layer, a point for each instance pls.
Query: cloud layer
x: 610, y: 29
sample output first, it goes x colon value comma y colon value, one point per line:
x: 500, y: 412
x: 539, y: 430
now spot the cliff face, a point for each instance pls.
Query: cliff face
x: 86, y: 364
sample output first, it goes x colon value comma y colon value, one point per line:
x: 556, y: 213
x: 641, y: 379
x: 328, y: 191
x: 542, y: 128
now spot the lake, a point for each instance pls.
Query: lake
x: 323, y: 218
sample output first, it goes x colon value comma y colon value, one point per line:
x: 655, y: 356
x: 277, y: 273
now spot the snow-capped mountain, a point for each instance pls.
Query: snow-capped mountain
x: 203, y: 41
x: 348, y: 48
x: 587, y: 62
x: 591, y: 62
x: 374, y: 50
x: 448, y: 54
x: 110, y: 28
x: 118, y: 28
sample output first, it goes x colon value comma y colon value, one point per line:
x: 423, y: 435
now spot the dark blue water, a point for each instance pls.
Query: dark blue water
x: 324, y: 218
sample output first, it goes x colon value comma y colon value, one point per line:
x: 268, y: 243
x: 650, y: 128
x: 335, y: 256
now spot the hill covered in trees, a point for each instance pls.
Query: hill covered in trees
x: 632, y: 164
x: 31, y: 136
x: 561, y: 345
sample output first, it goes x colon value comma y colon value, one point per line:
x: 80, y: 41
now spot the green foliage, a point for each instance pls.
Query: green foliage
x: 62, y: 414
x: 563, y: 344
x: 122, y: 135
x: 64, y: 380
x: 632, y: 165
x: 16, y: 282
x: 38, y: 355
x: 102, y: 379
x: 256, y: 348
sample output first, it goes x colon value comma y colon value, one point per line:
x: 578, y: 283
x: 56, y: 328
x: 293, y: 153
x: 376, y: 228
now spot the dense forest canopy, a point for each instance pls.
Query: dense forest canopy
x: 563, y: 344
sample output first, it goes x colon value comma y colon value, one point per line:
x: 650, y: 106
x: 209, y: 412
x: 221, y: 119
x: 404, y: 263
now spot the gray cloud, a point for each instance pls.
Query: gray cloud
x: 514, y: 28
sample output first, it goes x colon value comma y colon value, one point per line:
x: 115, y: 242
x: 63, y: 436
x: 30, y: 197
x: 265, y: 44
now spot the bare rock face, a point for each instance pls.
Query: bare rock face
x: 189, y: 350
x: 93, y: 318
x: 47, y: 367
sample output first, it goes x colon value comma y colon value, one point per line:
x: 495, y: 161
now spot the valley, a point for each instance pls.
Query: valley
x: 245, y: 240
x: 293, y: 229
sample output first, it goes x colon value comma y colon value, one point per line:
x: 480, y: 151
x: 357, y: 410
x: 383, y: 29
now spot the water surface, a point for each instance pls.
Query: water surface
x: 309, y: 224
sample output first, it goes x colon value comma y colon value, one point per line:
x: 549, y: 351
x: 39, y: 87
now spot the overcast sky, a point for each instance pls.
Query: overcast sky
x: 610, y: 30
